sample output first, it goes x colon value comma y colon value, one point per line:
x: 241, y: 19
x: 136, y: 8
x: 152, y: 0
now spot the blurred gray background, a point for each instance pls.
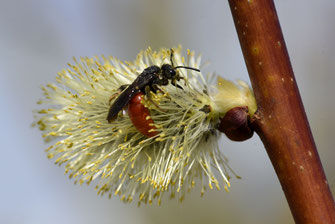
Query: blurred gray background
x: 38, y: 38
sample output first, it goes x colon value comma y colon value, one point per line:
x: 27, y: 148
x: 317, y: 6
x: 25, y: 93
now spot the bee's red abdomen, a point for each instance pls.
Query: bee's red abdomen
x: 138, y: 113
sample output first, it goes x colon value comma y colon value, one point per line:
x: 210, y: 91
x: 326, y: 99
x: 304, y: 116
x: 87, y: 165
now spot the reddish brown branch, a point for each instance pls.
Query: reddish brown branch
x: 281, y: 120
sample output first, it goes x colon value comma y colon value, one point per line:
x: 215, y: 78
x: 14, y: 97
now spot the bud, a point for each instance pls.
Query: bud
x: 236, y: 124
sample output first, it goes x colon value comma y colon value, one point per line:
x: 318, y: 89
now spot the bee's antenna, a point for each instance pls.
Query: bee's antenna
x: 194, y: 69
x: 171, y: 56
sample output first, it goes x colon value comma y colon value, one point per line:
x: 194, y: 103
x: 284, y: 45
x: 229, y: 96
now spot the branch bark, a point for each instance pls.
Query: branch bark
x: 281, y: 121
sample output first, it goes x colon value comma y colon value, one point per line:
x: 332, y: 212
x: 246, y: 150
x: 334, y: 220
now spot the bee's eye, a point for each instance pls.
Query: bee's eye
x: 172, y: 72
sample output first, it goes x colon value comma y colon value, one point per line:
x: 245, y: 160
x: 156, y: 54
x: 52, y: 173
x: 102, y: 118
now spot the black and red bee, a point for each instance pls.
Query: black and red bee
x: 149, y: 80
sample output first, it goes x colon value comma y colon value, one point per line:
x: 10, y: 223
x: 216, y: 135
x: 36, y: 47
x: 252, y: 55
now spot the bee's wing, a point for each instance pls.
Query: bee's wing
x: 120, y: 102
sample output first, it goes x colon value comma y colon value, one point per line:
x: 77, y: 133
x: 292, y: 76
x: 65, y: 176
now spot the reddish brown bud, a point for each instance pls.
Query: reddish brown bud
x: 235, y: 124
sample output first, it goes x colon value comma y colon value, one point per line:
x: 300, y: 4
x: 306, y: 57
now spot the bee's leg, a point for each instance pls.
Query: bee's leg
x: 173, y: 82
x: 155, y: 87
x: 118, y: 92
x: 149, y: 96
x: 185, y: 80
x: 123, y: 87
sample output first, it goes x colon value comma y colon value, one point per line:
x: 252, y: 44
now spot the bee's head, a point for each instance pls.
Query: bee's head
x: 168, y: 71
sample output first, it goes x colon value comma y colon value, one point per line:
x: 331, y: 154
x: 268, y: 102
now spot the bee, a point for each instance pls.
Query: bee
x: 149, y: 80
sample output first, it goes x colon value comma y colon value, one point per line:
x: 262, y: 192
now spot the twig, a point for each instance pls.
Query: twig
x: 281, y: 121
